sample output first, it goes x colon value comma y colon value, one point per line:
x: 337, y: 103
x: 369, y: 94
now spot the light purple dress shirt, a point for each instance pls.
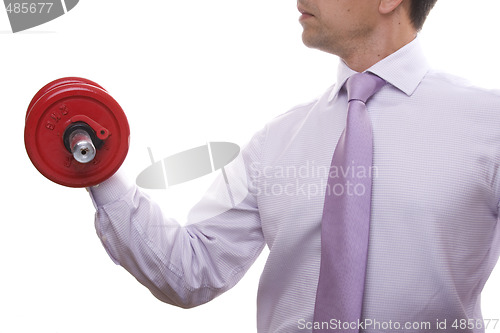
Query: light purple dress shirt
x: 434, y: 236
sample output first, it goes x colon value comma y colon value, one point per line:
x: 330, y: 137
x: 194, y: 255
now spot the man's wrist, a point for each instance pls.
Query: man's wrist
x: 110, y: 190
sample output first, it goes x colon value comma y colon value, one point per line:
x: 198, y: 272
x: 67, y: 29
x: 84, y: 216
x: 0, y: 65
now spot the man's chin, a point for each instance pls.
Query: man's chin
x: 311, y: 42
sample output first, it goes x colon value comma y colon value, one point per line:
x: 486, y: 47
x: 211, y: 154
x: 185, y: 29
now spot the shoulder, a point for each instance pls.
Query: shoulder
x: 449, y: 99
x: 296, y: 115
x: 446, y: 85
x: 276, y: 134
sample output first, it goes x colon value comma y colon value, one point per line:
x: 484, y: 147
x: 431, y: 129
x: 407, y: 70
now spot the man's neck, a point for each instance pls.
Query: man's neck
x: 383, y: 42
x: 369, y: 54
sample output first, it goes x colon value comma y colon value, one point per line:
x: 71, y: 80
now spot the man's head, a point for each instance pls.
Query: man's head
x: 361, y: 28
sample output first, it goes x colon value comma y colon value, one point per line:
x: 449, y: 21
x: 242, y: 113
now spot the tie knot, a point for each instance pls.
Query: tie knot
x: 361, y: 86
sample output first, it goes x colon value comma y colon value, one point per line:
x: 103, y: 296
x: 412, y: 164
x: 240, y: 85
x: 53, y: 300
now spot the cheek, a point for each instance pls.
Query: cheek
x: 348, y: 15
x: 336, y: 17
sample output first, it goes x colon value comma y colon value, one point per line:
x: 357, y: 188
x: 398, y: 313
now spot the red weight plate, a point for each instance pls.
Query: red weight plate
x: 56, y: 83
x: 51, y: 115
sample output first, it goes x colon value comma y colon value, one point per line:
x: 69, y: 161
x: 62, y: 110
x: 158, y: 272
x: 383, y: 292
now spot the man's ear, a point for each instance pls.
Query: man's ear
x: 388, y: 6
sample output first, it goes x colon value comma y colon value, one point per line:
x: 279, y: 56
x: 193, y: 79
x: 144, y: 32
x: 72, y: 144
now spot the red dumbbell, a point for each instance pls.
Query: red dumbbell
x: 76, y: 134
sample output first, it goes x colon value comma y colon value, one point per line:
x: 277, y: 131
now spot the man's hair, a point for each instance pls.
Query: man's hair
x: 419, y: 10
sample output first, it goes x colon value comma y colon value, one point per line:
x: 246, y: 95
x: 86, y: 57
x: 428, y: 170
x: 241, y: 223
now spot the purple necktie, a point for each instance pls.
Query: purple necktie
x: 346, y: 215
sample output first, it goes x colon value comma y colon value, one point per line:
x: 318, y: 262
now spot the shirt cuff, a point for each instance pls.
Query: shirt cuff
x: 110, y: 190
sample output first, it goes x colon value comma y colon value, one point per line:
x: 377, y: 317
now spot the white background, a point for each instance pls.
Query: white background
x: 185, y: 72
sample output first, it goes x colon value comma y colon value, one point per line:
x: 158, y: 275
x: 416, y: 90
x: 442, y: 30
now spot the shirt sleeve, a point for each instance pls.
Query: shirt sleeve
x: 191, y: 264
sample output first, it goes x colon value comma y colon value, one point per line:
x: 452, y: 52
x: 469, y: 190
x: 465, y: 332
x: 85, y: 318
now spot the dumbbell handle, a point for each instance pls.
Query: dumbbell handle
x: 81, y: 146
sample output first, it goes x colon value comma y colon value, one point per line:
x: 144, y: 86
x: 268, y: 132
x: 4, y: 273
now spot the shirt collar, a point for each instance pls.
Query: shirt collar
x: 404, y: 69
